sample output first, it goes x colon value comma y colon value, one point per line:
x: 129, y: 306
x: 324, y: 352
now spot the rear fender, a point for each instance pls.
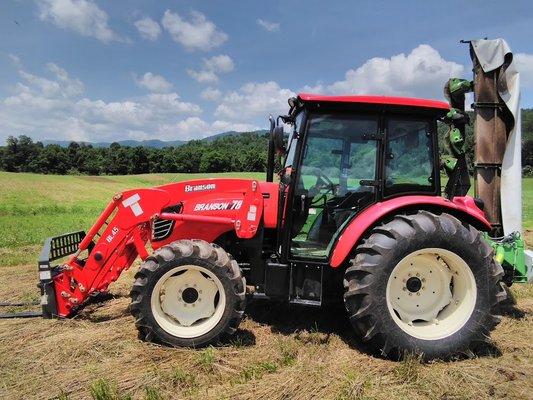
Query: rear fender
x: 462, y: 207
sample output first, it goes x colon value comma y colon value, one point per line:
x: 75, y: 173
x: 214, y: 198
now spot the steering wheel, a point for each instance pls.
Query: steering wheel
x: 321, y: 177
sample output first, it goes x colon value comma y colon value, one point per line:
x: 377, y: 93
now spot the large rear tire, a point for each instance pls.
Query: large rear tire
x: 189, y: 293
x: 424, y: 284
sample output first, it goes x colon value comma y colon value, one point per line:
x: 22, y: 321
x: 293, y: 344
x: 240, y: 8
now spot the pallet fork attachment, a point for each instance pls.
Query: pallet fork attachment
x: 22, y: 314
x: 54, y: 248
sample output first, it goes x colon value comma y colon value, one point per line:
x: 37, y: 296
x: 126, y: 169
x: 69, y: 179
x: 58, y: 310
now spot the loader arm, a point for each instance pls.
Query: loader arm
x: 200, y: 210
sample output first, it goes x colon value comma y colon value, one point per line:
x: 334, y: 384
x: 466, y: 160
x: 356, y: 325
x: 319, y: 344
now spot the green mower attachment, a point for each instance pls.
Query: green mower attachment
x: 510, y: 251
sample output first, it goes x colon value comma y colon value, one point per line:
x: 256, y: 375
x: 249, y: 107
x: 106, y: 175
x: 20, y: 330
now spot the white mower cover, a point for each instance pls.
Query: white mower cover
x: 491, y: 55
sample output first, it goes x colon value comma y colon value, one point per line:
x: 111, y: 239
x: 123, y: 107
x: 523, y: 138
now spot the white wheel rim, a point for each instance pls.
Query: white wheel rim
x: 431, y: 293
x: 188, y: 301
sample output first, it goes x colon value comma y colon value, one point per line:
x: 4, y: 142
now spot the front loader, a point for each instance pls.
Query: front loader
x: 357, y: 217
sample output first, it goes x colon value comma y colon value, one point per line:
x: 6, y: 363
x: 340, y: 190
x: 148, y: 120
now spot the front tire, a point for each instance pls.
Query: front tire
x: 424, y: 284
x: 188, y: 293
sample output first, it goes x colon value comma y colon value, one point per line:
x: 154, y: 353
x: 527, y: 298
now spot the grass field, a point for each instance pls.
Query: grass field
x: 278, y: 352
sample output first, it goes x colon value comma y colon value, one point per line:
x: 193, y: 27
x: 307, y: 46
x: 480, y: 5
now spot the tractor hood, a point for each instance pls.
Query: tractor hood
x: 207, y: 208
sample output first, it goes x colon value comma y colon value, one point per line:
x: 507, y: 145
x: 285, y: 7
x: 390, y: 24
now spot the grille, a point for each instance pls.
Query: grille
x: 161, y: 229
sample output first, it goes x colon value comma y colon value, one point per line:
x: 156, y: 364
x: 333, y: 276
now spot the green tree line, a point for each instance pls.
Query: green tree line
x: 243, y: 152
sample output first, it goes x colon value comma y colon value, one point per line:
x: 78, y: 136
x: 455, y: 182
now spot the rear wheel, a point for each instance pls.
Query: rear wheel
x: 189, y: 293
x: 425, y: 284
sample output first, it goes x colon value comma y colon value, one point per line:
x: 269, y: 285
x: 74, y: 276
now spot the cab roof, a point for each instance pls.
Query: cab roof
x: 376, y: 100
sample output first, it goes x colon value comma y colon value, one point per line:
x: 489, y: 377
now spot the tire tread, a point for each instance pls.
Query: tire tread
x: 187, y: 248
x: 368, y: 260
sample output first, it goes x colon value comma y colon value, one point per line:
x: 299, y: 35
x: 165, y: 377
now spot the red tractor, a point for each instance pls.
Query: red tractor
x: 357, y: 216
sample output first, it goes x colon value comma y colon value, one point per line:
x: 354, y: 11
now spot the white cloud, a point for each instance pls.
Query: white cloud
x: 148, y: 28
x: 420, y: 73
x: 196, y: 128
x: 197, y: 33
x: 15, y: 60
x: 169, y: 103
x: 61, y: 87
x: 154, y: 83
x: 69, y: 86
x: 59, y: 110
x: 211, y: 94
x: 267, y: 25
x: 54, y: 107
x: 225, y: 126
x: 254, y: 100
x: 81, y: 16
x: 524, y: 65
x: 192, y: 127
x: 203, y: 76
x: 221, y: 64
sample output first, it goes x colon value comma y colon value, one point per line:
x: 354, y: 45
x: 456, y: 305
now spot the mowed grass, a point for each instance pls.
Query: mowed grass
x: 279, y: 352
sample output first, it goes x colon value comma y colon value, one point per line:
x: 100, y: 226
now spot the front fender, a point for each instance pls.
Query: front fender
x: 355, y: 230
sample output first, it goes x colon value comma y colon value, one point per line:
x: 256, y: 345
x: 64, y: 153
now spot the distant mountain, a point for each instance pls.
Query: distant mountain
x: 231, y: 133
x: 153, y: 143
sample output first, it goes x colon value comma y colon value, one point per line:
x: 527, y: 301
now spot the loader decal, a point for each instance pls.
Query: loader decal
x: 233, y: 205
x: 133, y: 203
x: 109, y: 238
x: 200, y: 188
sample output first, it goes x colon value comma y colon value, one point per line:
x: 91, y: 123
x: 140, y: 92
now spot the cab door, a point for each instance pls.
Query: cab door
x: 337, y: 161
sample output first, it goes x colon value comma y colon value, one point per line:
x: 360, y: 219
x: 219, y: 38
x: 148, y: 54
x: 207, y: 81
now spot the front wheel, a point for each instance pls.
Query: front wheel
x: 425, y: 284
x: 189, y: 293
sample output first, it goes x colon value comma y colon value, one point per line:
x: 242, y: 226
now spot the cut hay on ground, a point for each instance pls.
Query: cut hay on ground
x: 279, y: 353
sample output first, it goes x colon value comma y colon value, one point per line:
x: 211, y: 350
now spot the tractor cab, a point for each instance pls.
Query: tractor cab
x: 344, y: 154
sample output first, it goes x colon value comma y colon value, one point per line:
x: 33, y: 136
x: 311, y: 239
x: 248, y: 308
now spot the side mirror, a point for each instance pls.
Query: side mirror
x: 272, y: 124
x: 278, y: 138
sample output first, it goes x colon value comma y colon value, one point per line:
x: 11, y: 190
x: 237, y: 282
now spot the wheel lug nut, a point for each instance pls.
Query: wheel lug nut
x: 418, y: 293
x: 423, y: 279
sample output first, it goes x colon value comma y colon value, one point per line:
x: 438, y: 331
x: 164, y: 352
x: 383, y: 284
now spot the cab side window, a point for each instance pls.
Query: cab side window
x: 409, y: 161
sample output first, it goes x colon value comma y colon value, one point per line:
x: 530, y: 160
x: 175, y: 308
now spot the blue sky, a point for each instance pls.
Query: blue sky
x: 99, y: 70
